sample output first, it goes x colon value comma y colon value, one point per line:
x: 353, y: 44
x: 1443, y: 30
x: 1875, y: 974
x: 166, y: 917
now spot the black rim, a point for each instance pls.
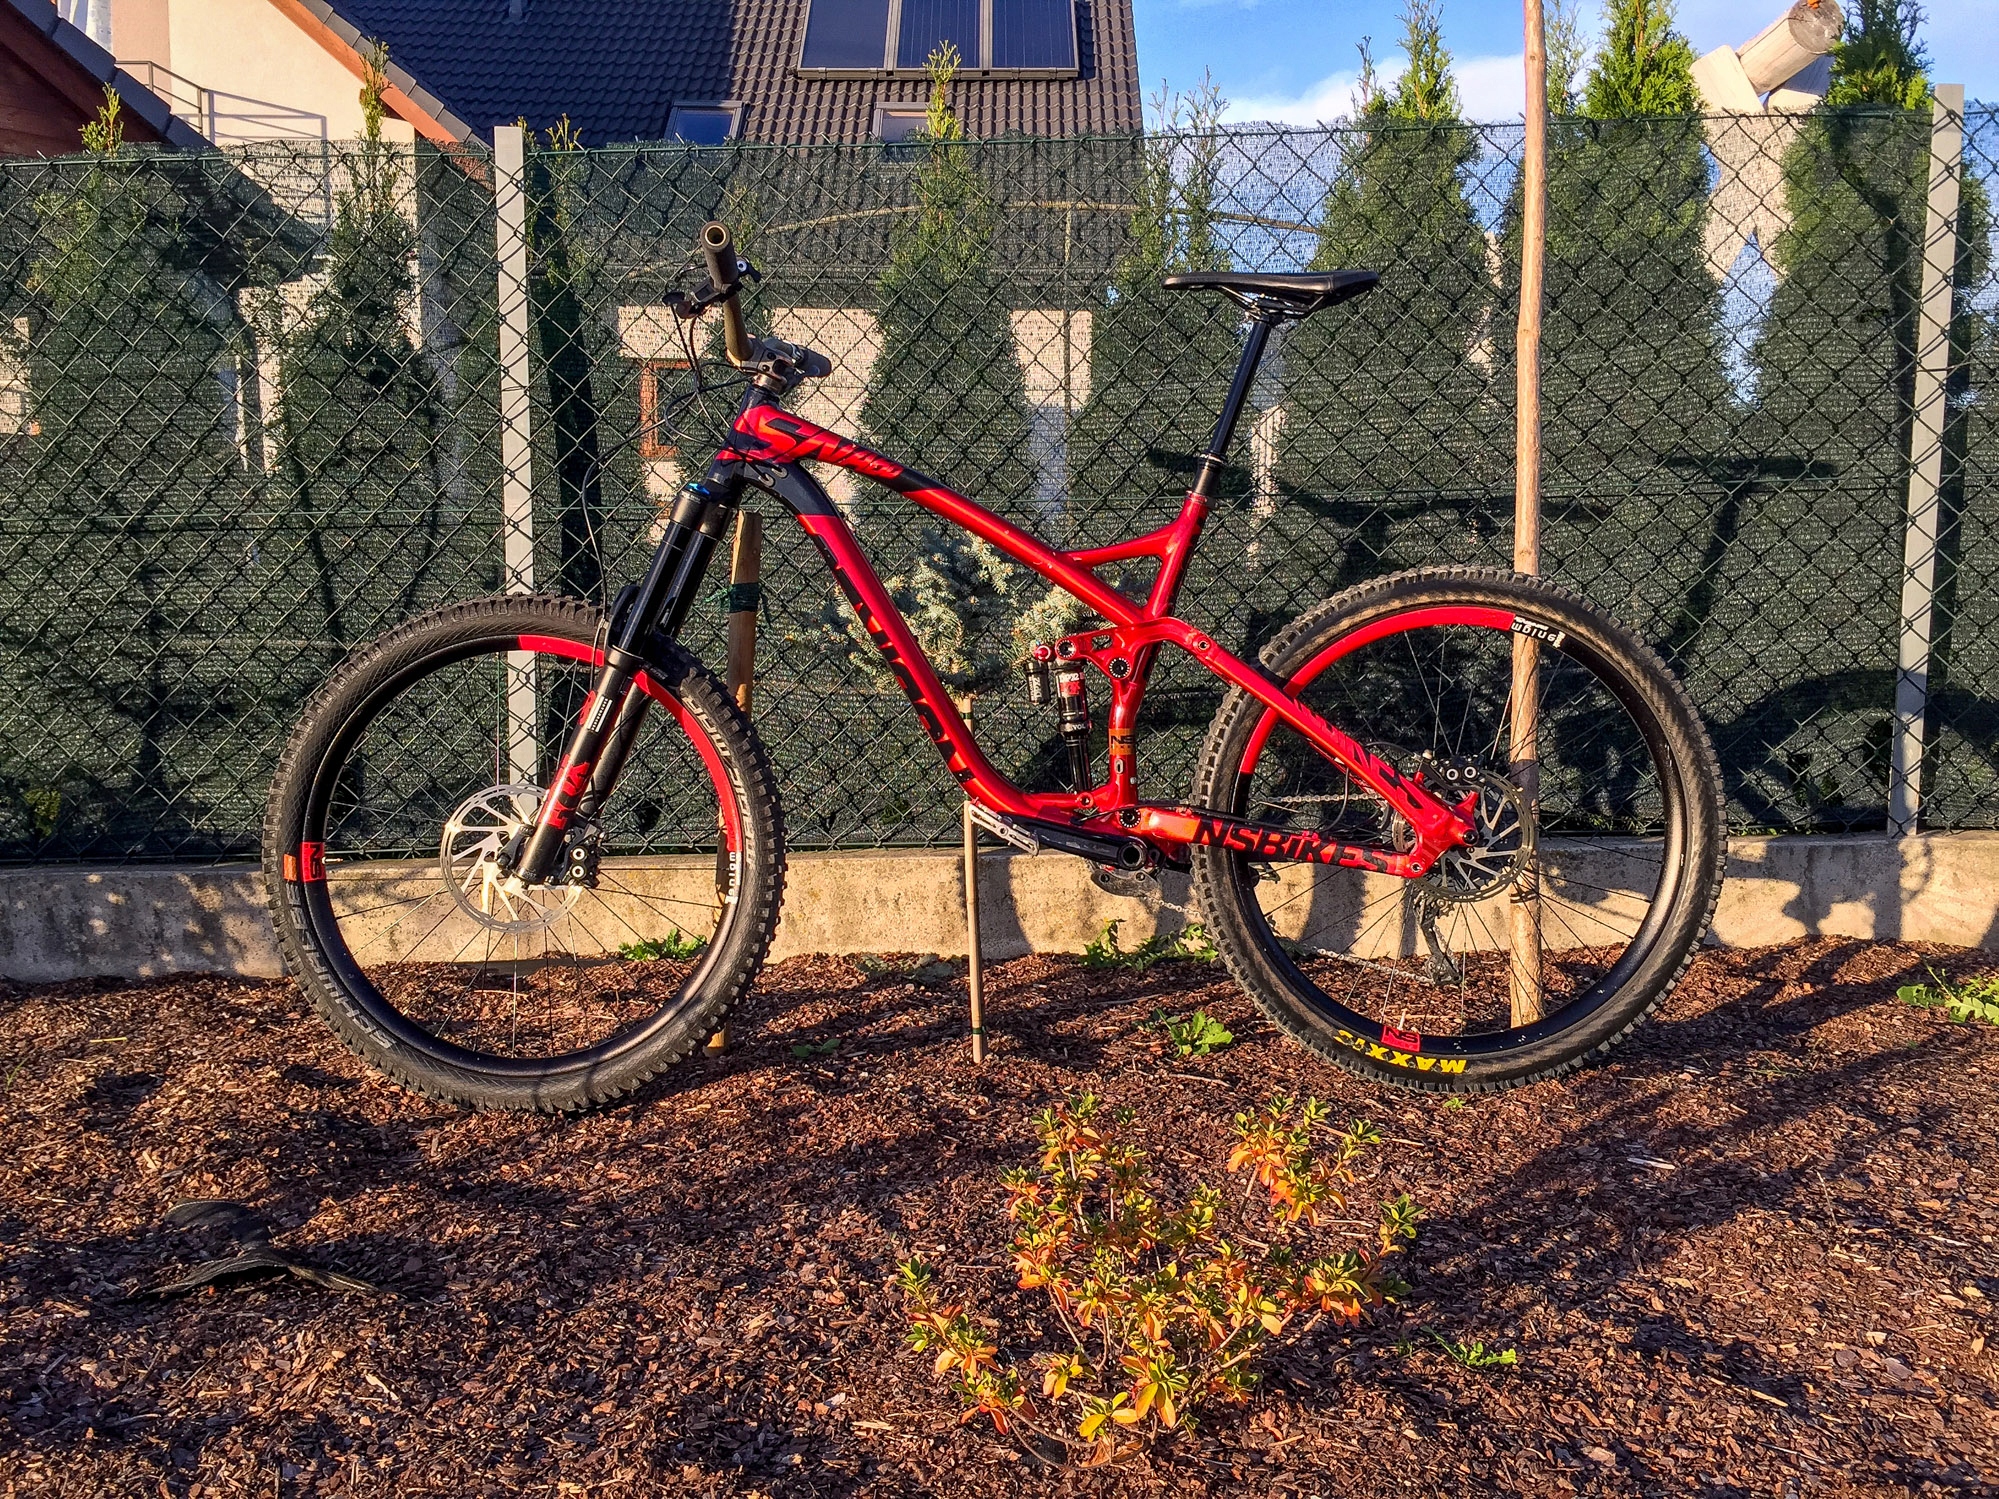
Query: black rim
x: 1364, y: 1033
x: 322, y: 811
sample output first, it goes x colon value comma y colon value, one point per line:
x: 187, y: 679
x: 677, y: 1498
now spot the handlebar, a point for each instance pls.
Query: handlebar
x: 719, y: 247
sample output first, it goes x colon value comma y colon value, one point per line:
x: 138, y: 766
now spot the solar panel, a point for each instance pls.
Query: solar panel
x: 926, y: 24
x: 1026, y: 36
x: 1034, y: 33
x: 848, y: 34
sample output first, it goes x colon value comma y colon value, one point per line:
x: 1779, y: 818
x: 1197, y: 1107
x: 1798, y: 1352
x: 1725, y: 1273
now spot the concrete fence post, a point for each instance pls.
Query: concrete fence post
x: 1926, y: 434
x: 510, y: 246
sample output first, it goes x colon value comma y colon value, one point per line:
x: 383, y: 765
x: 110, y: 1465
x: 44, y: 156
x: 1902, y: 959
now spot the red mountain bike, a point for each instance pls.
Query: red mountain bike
x: 1456, y: 829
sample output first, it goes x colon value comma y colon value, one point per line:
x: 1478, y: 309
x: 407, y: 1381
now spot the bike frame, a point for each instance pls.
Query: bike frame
x: 770, y: 450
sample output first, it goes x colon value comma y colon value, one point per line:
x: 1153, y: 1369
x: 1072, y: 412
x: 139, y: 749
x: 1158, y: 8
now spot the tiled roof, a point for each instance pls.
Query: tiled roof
x: 615, y: 68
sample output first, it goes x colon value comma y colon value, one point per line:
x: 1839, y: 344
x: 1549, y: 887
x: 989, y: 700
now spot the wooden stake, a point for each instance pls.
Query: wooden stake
x: 739, y: 675
x: 1524, y: 910
x: 975, y: 984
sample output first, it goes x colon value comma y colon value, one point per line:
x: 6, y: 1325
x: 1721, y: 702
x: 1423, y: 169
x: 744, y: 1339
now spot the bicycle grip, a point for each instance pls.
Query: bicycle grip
x: 719, y: 247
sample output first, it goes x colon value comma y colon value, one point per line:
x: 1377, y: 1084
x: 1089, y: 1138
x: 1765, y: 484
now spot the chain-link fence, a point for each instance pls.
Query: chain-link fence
x: 251, y: 414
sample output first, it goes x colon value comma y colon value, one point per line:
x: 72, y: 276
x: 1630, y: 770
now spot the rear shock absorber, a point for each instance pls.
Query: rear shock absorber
x: 1073, y: 713
x: 1035, y: 668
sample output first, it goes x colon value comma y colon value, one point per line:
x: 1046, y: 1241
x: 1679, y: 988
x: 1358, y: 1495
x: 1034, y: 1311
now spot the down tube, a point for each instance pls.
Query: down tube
x: 887, y: 629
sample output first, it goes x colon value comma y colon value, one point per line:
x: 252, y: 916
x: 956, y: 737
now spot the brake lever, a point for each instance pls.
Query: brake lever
x: 691, y: 304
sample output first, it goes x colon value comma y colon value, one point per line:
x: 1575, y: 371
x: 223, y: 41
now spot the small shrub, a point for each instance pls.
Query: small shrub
x: 1190, y: 943
x: 1474, y: 1355
x: 1974, y: 999
x: 1156, y: 1313
x: 676, y: 944
x: 1195, y: 1035
x: 925, y: 970
x: 807, y: 1049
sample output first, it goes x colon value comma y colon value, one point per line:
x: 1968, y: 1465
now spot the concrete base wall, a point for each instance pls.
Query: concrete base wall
x: 136, y: 921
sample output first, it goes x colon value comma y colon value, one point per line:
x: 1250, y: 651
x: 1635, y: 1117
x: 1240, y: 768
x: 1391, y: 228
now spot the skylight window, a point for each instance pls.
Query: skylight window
x: 703, y: 124
x: 1006, y: 38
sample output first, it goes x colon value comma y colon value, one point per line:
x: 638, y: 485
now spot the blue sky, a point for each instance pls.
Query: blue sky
x: 1294, y: 60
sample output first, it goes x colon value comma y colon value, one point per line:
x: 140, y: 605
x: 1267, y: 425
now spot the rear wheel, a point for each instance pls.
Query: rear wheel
x: 396, y: 810
x: 1568, y: 916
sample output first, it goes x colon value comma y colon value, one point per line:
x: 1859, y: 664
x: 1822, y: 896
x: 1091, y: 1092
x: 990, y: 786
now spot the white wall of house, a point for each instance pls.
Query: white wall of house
x: 241, y: 71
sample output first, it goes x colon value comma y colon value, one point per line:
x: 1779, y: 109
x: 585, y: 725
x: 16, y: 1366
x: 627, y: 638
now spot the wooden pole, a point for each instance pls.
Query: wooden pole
x: 975, y: 984
x: 739, y: 675
x: 1524, y: 909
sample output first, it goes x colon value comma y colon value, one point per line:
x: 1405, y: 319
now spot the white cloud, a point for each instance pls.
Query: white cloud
x: 1492, y: 88
x: 1327, y: 100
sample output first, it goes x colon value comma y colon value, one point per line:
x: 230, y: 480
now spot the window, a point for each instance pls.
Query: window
x: 896, y: 123
x: 849, y: 38
x: 703, y: 124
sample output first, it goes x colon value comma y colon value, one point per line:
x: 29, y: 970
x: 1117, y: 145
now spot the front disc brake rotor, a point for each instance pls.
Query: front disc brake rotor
x: 484, y: 827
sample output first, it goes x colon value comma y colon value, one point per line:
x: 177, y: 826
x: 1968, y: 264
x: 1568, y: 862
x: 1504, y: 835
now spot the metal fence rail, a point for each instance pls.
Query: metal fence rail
x: 256, y: 407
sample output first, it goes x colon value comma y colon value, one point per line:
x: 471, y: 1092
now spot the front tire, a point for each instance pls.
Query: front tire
x: 1450, y: 983
x: 385, y: 848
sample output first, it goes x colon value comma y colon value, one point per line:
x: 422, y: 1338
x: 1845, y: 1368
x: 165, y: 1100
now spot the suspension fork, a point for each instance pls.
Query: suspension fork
x: 614, y: 711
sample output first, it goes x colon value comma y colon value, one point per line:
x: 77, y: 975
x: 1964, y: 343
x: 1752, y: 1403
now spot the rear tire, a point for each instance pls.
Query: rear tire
x: 1417, y: 983
x: 414, y: 766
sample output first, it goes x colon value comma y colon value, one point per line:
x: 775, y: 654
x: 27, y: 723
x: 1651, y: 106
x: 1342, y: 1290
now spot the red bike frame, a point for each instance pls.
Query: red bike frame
x: 772, y: 444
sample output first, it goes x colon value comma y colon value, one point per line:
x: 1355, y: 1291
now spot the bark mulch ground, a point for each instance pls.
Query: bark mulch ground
x: 1752, y: 1255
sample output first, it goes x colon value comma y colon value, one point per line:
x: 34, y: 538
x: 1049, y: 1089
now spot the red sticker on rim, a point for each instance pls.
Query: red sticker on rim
x: 1401, y: 1040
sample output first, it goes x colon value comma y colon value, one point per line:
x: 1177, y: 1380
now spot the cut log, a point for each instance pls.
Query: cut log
x: 1803, y: 92
x: 1724, y: 86
x: 1791, y: 43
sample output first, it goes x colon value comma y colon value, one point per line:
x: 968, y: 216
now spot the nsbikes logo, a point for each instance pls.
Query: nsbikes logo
x: 1303, y: 846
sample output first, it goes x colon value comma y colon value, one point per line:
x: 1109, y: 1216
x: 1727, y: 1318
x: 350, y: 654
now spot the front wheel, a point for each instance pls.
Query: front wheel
x: 1592, y: 873
x: 400, y: 803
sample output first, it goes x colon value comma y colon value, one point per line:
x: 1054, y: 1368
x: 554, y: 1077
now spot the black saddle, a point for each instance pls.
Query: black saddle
x: 1298, y: 293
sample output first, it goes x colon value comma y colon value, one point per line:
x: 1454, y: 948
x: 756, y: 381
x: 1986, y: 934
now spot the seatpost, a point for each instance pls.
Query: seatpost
x: 1262, y: 318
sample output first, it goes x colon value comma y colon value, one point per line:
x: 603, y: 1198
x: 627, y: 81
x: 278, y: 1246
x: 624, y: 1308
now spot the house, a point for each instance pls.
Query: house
x: 52, y: 82
x: 701, y: 71
x: 237, y: 71
x: 773, y: 71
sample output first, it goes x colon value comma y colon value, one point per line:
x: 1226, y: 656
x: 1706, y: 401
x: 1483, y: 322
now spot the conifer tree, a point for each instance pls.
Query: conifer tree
x: 1636, y: 405
x: 1387, y: 411
x: 1879, y: 60
x: 105, y: 629
x: 1834, y: 371
x: 1159, y: 359
x: 359, y: 414
x: 1645, y: 67
x: 947, y: 395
